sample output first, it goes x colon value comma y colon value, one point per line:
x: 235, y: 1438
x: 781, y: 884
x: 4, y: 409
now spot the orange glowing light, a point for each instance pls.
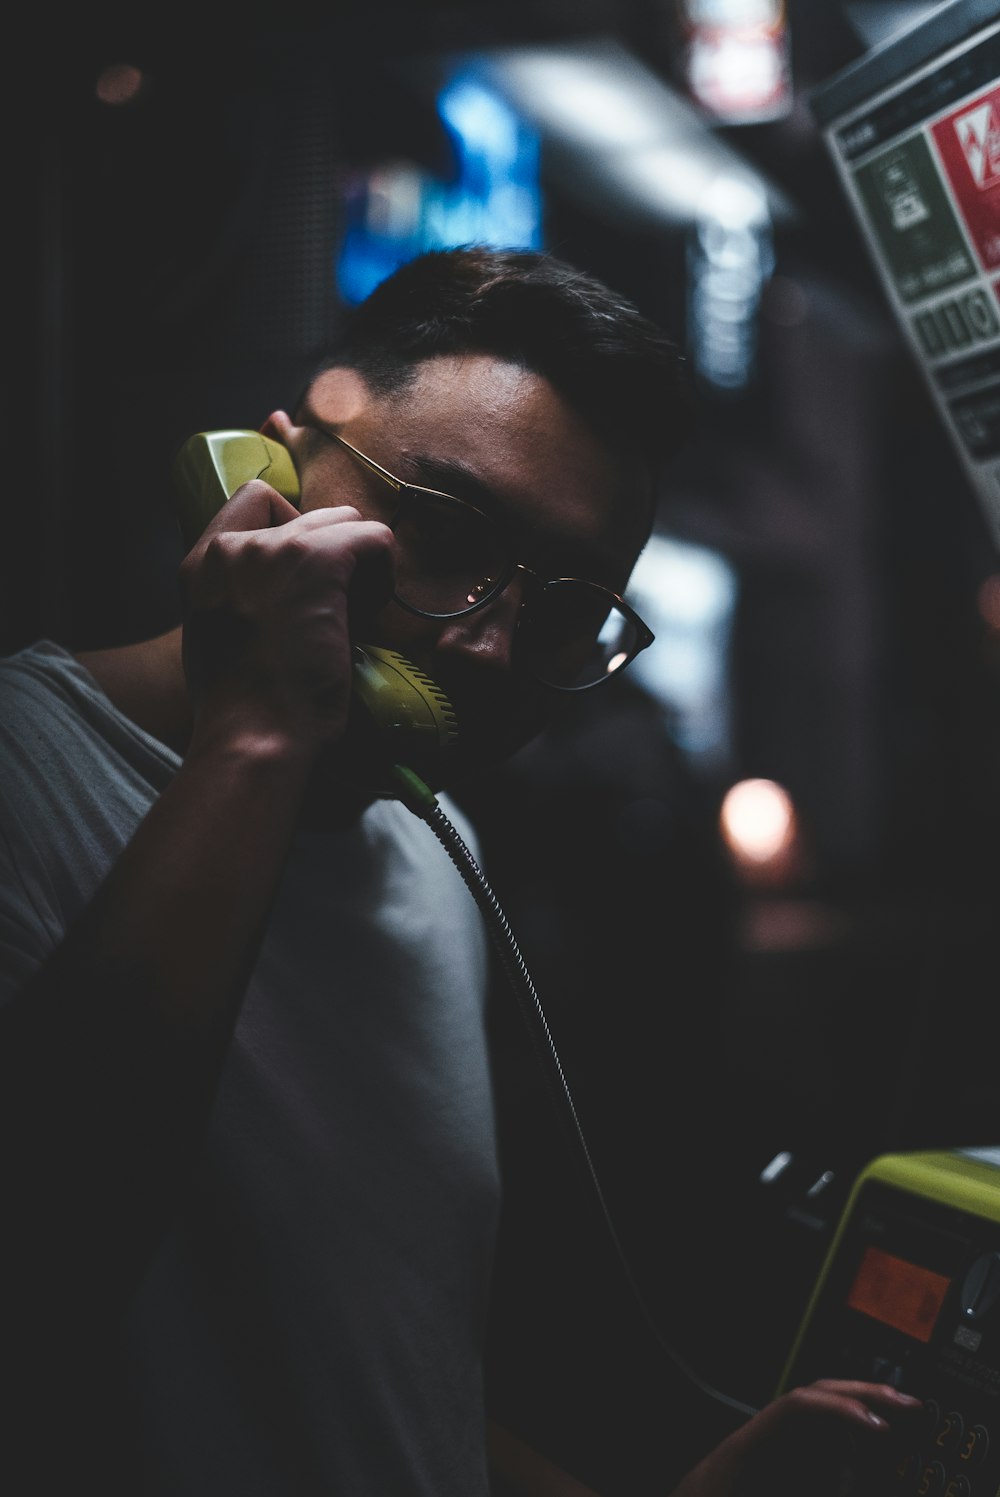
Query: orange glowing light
x: 903, y: 1295
x: 119, y: 83
x: 758, y: 820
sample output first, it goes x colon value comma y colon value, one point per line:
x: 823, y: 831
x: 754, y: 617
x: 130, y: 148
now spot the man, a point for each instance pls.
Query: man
x: 250, y: 1162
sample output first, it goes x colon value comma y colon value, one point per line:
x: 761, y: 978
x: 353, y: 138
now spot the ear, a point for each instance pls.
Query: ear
x: 333, y: 399
x: 299, y: 440
x: 280, y: 428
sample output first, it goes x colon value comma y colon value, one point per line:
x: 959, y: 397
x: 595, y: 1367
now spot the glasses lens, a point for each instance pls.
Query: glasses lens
x: 573, y: 634
x: 448, y: 555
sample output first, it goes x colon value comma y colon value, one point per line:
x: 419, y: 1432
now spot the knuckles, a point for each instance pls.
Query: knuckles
x: 324, y: 543
x: 266, y: 610
x: 798, y: 1399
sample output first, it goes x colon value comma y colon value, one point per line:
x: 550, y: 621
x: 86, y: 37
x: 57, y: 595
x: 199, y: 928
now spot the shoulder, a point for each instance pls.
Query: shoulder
x: 42, y: 662
x: 42, y: 678
x: 53, y: 706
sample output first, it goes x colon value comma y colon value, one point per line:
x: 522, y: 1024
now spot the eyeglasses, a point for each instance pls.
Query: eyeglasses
x: 452, y: 559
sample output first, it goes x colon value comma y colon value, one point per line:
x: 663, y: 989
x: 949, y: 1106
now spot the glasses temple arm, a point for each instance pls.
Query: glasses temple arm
x: 367, y: 462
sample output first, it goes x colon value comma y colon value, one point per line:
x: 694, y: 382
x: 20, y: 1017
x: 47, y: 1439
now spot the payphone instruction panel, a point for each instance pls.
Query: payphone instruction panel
x: 920, y: 163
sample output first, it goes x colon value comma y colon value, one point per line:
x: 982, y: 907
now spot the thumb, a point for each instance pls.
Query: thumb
x: 254, y: 506
x: 211, y: 467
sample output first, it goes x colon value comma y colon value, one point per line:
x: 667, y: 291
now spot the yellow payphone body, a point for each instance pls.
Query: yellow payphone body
x: 910, y: 1294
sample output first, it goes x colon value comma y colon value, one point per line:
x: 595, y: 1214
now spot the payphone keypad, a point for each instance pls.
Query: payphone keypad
x: 946, y: 1460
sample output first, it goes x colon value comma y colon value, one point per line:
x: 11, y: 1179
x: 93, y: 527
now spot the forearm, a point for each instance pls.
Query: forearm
x: 110, y: 1059
x: 111, y: 1056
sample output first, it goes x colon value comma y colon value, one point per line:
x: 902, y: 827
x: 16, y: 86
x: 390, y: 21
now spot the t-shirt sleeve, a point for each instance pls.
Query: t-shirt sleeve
x: 76, y: 779
x: 26, y: 937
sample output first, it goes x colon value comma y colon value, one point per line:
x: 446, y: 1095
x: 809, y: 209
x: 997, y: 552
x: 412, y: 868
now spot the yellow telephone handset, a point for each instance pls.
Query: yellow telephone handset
x: 407, y: 719
x: 212, y: 465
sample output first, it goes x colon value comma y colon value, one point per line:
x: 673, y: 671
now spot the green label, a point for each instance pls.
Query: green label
x: 912, y: 219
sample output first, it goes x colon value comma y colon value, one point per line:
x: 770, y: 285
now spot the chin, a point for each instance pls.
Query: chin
x: 496, y: 718
x: 476, y: 753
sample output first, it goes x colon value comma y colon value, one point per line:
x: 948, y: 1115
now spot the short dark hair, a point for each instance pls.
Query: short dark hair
x: 612, y: 364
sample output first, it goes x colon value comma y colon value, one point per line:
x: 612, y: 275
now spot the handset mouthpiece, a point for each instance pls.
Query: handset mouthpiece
x: 408, y: 718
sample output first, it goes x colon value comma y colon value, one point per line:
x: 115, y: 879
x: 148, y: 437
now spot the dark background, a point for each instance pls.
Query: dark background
x: 170, y: 269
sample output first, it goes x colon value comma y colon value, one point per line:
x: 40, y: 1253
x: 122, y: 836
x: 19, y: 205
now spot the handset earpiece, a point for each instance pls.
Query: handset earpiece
x: 212, y: 465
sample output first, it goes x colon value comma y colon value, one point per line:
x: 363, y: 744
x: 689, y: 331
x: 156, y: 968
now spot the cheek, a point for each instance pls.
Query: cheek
x: 326, y: 482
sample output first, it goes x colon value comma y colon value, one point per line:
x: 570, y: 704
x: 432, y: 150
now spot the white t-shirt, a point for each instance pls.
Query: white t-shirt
x: 314, y: 1322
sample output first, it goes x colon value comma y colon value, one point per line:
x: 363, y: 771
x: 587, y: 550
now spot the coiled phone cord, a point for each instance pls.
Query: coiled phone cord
x: 419, y: 799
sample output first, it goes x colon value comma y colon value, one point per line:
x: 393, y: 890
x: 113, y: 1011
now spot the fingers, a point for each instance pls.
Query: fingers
x: 272, y: 600
x: 826, y: 1427
x: 254, y: 506
x: 258, y: 537
x: 860, y: 1398
x: 869, y: 1404
x: 822, y: 1429
x: 837, y: 1404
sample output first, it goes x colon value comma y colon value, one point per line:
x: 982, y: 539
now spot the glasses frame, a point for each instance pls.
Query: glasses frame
x: 644, y: 635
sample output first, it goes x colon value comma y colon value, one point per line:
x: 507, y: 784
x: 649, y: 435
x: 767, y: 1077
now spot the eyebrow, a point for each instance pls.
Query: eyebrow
x: 448, y: 477
x: 578, y: 559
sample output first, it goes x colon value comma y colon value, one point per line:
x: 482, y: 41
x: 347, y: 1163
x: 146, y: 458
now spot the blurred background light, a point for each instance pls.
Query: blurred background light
x: 687, y: 593
x: 759, y: 825
x: 582, y: 96
x: 730, y: 258
x: 615, y: 134
x: 119, y: 83
x: 671, y: 179
x: 399, y: 210
x: 736, y: 58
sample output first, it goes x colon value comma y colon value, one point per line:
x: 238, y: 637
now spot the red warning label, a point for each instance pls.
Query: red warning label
x: 968, y: 143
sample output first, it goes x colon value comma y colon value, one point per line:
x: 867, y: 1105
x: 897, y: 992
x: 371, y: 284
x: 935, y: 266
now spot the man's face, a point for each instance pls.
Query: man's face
x: 499, y: 436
